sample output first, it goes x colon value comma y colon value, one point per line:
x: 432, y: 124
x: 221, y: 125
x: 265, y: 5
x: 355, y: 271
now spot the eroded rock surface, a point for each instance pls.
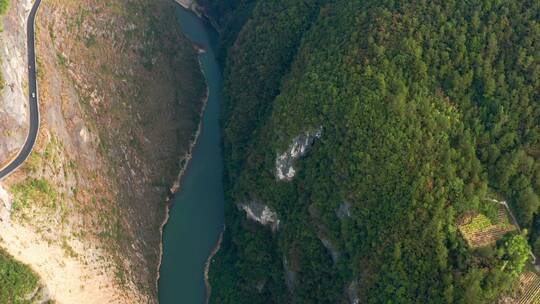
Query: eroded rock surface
x: 352, y: 292
x: 185, y: 3
x: 299, y: 147
x: 334, y: 252
x: 290, y: 275
x: 344, y: 210
x: 262, y: 214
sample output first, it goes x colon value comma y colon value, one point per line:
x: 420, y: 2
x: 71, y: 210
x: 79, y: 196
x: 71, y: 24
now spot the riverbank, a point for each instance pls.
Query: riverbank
x: 207, y: 265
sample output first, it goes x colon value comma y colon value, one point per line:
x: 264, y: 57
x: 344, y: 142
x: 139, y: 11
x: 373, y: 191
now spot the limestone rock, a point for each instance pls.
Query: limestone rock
x: 262, y: 214
x: 299, y: 147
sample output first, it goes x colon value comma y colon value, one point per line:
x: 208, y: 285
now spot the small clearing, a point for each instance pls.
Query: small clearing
x: 478, y: 230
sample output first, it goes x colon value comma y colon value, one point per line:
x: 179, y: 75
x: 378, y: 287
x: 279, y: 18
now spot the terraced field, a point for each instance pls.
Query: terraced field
x: 528, y: 290
x: 478, y: 230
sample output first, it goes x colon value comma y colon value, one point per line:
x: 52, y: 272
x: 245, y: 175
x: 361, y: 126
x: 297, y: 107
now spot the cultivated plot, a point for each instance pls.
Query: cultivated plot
x: 479, y: 230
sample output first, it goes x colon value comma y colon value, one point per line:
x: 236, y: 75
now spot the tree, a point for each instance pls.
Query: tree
x: 527, y: 203
x: 514, y: 252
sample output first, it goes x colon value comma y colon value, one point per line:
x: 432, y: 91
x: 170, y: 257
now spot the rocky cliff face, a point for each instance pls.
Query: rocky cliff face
x: 186, y: 3
x: 298, y: 148
x: 262, y: 214
x: 13, y: 63
x: 121, y: 93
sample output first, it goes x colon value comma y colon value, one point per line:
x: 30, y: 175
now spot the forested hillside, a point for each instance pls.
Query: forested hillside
x: 370, y: 129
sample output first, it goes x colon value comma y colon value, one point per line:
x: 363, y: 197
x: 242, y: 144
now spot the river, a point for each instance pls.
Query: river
x: 196, y: 217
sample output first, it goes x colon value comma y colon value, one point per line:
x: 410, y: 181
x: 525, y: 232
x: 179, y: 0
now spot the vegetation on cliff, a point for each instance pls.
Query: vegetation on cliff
x: 427, y: 109
x: 17, y: 281
x: 4, y: 5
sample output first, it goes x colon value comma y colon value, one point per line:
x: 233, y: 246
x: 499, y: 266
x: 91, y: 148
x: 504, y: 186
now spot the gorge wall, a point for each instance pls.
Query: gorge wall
x: 120, y: 99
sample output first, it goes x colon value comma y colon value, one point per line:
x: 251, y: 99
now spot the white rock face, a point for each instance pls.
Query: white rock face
x: 84, y: 135
x: 262, y: 214
x: 299, y: 147
x: 260, y: 285
x: 290, y: 275
x: 14, y: 68
x: 185, y: 3
x: 344, y: 210
x: 352, y: 292
x: 334, y: 252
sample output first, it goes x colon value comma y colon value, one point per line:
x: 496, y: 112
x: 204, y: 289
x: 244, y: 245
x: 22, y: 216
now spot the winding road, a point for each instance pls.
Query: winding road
x: 33, y: 127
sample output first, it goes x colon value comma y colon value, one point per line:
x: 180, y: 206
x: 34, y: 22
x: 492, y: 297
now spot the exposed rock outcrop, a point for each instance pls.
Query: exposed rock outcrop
x: 186, y: 3
x: 334, y: 252
x: 290, y: 275
x: 299, y: 147
x: 40, y: 295
x: 352, y: 292
x: 262, y: 214
x: 344, y: 210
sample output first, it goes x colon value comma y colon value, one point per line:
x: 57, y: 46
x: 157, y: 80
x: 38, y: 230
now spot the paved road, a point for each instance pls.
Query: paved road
x: 32, y: 98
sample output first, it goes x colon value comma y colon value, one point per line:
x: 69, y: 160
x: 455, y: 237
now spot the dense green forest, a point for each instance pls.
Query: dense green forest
x: 427, y: 109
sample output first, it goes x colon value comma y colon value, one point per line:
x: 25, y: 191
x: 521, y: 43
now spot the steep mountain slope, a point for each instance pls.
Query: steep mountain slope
x: 13, y: 78
x: 369, y: 130
x: 120, y: 97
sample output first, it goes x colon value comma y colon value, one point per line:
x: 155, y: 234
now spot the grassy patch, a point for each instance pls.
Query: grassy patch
x: 2, y: 82
x: 90, y: 41
x: 40, y: 68
x: 4, y: 6
x: 17, y: 280
x: 479, y: 222
x: 62, y: 60
x: 33, y: 191
x: 68, y: 249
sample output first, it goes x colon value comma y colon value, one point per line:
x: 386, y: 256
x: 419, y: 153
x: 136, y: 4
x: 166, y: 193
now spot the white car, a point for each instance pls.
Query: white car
x: 33, y: 95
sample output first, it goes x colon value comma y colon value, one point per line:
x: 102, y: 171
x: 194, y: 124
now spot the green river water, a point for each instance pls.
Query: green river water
x: 196, y: 216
